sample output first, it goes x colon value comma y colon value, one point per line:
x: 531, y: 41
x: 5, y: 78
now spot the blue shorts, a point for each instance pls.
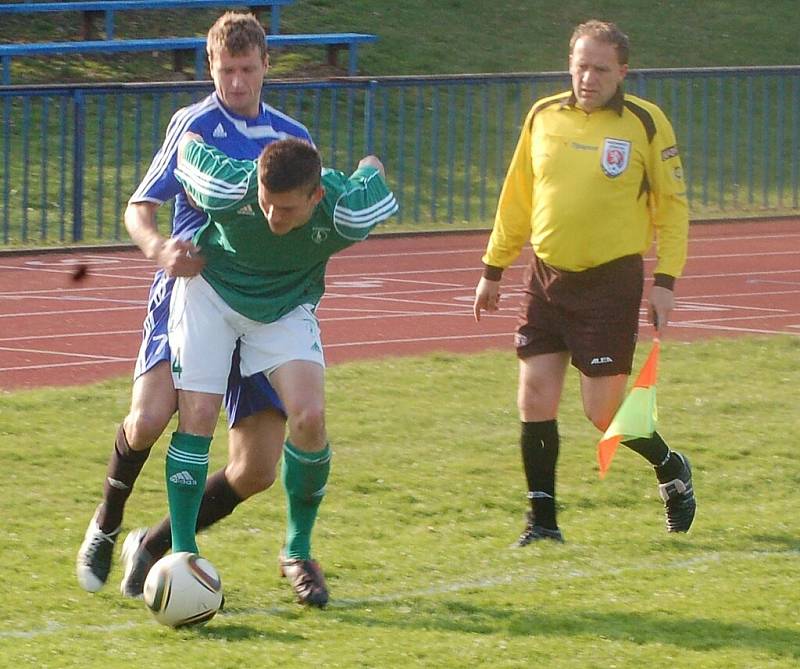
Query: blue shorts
x: 243, y: 397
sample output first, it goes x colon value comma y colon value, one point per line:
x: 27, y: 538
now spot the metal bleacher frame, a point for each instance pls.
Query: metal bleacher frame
x: 332, y: 42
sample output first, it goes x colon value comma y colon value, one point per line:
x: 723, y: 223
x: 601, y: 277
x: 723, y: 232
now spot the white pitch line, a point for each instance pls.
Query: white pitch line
x: 716, y: 256
x: 57, y: 292
x: 522, y: 576
x: 724, y: 328
x: 717, y: 306
x: 728, y: 319
x: 66, y: 364
x: 65, y: 354
x: 390, y: 314
x: 81, y: 299
x: 413, y: 340
x: 481, y: 247
x: 768, y: 293
x: 47, y: 314
x: 66, y: 271
x: 79, y: 335
x: 772, y: 281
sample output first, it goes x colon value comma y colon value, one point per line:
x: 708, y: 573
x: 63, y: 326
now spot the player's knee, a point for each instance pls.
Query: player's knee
x: 249, y: 481
x: 307, y: 428
x: 143, y: 427
x: 600, y: 419
x: 537, y: 406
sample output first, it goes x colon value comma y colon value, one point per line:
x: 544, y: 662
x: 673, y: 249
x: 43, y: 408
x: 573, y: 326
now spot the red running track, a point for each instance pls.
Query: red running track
x: 386, y: 296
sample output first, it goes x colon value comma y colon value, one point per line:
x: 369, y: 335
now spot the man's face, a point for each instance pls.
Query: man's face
x: 238, y: 80
x: 596, y: 72
x: 289, y: 210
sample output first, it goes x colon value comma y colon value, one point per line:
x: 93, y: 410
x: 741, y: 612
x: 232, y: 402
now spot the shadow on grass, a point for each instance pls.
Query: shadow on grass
x: 698, y: 634
x: 229, y: 631
x: 778, y: 541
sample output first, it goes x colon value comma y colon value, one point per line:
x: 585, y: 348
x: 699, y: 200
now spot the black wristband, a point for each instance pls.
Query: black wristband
x: 492, y: 273
x: 664, y: 281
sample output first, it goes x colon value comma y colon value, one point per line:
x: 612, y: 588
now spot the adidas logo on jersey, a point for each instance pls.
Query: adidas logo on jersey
x: 247, y: 210
x: 183, y: 478
x: 219, y: 132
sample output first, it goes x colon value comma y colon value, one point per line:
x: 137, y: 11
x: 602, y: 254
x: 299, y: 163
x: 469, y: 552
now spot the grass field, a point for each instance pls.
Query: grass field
x: 425, y: 496
x: 449, y: 36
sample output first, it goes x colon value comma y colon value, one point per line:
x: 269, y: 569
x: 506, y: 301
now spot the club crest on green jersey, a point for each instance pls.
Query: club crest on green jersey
x: 319, y: 234
x: 616, y: 155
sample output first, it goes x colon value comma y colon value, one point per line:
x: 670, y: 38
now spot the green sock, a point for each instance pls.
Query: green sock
x: 186, y: 471
x: 304, y: 477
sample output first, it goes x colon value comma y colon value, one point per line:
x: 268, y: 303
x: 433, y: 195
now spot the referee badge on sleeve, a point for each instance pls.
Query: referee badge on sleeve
x: 616, y: 156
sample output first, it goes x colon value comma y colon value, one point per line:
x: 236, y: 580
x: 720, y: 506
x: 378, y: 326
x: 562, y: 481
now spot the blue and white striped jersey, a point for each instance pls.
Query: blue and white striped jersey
x: 235, y: 135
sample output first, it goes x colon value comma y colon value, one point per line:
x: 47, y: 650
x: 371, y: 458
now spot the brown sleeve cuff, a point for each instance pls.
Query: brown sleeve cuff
x: 492, y: 273
x: 664, y: 281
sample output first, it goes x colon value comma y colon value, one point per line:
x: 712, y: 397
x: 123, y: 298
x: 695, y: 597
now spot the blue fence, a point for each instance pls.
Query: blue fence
x: 70, y: 156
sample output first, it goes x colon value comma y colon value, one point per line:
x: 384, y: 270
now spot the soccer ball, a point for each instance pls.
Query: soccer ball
x: 183, y: 589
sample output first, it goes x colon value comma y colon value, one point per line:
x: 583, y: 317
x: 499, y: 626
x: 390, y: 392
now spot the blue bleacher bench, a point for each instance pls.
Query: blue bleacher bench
x: 332, y: 41
x: 90, y: 8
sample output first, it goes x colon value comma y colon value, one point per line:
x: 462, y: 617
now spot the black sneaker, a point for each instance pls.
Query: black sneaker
x: 137, y: 562
x: 533, y: 533
x: 306, y: 578
x: 678, y: 496
x: 93, y: 563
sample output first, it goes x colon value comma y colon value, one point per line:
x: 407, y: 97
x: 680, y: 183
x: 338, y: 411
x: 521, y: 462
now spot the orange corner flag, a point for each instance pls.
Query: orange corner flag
x: 638, y: 415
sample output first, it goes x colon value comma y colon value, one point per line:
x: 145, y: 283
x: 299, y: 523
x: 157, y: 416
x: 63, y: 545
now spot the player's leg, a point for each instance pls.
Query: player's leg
x: 601, y: 397
x: 307, y: 455
x: 291, y: 352
x: 186, y: 466
x: 541, y: 382
x: 202, y: 337
x: 153, y: 402
x: 603, y: 352
x: 305, y: 472
x: 543, y: 360
x: 255, y: 444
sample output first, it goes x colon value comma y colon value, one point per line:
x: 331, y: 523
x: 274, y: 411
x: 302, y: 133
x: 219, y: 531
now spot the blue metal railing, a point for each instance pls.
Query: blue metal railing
x: 71, y: 155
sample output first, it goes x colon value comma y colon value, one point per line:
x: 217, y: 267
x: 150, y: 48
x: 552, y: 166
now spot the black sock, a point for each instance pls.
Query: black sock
x: 123, y: 470
x: 219, y: 501
x: 539, y: 442
x: 655, y: 450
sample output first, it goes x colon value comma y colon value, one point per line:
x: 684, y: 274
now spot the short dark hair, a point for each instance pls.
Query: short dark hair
x: 289, y: 164
x: 603, y: 31
x: 237, y: 33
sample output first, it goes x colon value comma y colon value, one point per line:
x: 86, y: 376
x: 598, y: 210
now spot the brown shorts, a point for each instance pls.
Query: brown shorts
x: 593, y: 314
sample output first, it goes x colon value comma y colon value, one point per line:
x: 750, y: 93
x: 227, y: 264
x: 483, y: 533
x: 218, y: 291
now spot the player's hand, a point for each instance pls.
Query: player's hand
x: 373, y: 161
x: 660, y: 304
x: 179, y: 257
x: 187, y: 137
x: 487, y: 297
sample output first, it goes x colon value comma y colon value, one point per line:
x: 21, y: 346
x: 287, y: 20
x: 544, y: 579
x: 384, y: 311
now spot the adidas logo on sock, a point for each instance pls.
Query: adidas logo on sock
x: 219, y: 132
x: 182, y: 478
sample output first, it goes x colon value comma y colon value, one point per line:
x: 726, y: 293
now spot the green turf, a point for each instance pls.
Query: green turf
x: 425, y: 496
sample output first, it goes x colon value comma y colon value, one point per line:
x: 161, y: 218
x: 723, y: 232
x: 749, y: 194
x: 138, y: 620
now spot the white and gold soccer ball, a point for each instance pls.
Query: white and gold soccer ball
x: 183, y: 589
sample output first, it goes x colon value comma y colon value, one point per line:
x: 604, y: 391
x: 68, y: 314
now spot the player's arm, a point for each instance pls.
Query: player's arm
x: 512, y: 223
x: 177, y: 257
x: 362, y: 201
x: 211, y: 179
x: 669, y: 209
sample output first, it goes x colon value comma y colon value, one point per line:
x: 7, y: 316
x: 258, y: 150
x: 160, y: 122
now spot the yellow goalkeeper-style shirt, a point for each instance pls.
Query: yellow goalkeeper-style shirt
x: 589, y: 188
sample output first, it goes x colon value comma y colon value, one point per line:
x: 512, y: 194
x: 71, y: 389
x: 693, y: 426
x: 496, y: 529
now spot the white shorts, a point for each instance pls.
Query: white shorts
x: 203, y: 331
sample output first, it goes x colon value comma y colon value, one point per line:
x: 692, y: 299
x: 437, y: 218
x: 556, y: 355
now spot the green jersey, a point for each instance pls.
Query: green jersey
x: 258, y: 273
